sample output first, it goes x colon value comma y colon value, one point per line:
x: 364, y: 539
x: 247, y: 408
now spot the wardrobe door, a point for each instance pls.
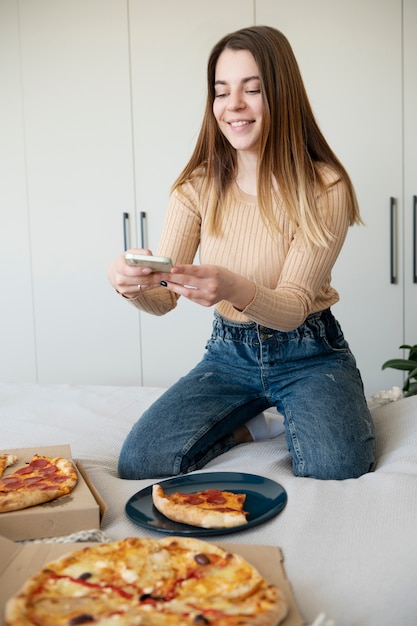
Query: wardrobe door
x: 350, y: 58
x: 17, y: 339
x: 170, y: 46
x: 77, y: 119
x: 410, y: 172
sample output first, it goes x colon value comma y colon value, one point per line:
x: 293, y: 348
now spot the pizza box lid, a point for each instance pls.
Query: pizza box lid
x: 82, y: 509
x: 21, y: 561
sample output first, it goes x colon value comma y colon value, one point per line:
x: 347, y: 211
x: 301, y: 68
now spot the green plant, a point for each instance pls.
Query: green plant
x: 407, y: 365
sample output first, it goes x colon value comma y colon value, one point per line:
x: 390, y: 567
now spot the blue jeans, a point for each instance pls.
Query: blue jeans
x: 309, y: 374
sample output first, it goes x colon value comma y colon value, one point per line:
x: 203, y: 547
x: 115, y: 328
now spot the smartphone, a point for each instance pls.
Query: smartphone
x: 156, y: 263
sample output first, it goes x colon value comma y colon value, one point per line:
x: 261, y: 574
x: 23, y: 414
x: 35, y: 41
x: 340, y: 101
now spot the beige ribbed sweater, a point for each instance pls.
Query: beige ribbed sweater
x: 292, y: 280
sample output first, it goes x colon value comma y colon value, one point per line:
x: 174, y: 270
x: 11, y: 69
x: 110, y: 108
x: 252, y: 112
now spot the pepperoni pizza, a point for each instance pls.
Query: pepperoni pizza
x: 42, y: 480
x: 211, y: 508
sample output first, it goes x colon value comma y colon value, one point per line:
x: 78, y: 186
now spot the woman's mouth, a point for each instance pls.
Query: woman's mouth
x: 240, y: 123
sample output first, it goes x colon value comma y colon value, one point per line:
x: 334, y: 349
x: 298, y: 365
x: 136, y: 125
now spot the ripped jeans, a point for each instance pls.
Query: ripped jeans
x: 308, y: 373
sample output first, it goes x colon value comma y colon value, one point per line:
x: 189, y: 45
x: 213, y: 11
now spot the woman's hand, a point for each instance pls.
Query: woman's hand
x: 129, y: 280
x: 209, y: 284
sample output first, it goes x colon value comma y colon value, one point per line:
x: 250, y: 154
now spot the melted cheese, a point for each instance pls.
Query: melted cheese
x: 145, y: 582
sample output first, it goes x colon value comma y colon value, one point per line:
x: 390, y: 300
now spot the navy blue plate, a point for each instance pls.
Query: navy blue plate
x: 264, y: 499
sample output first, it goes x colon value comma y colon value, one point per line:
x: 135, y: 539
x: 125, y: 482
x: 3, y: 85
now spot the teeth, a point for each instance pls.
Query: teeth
x: 239, y: 123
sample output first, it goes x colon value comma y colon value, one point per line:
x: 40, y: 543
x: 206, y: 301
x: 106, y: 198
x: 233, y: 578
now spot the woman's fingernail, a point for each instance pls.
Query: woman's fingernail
x: 163, y: 283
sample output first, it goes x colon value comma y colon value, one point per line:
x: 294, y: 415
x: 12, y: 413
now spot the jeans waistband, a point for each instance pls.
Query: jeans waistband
x: 228, y: 329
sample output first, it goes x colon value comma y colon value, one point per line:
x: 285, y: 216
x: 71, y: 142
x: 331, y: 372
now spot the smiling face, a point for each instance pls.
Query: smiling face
x: 238, y: 103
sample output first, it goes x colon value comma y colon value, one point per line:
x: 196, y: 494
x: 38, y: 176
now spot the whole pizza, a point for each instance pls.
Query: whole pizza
x: 175, y: 581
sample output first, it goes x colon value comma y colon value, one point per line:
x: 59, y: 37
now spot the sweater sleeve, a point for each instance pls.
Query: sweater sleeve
x: 179, y: 241
x: 304, y: 282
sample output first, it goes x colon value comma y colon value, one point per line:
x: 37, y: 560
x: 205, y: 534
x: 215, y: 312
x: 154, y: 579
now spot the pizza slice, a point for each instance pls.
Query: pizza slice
x: 211, y: 508
x: 42, y: 480
x: 6, y: 460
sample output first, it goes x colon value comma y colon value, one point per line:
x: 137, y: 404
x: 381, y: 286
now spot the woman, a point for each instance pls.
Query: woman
x: 269, y: 204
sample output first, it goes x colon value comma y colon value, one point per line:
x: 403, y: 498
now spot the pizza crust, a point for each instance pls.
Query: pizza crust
x: 6, y: 460
x: 193, y: 514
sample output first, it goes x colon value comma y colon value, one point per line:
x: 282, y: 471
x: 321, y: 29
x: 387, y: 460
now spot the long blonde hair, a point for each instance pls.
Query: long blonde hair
x: 291, y: 147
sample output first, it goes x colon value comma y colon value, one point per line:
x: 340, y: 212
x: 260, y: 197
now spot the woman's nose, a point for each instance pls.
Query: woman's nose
x: 235, y: 101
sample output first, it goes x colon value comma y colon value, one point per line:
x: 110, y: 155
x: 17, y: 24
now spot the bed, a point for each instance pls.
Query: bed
x: 350, y: 547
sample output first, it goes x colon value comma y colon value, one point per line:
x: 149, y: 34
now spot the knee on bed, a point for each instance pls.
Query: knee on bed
x: 126, y: 470
x: 336, y: 467
x: 137, y: 469
x: 325, y: 460
x: 143, y: 457
x: 133, y: 465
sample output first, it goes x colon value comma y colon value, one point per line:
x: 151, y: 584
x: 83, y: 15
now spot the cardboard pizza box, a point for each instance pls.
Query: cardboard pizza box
x: 18, y: 562
x: 82, y: 509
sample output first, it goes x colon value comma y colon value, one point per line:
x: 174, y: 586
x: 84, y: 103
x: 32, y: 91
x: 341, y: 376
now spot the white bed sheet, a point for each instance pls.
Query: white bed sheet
x: 350, y: 547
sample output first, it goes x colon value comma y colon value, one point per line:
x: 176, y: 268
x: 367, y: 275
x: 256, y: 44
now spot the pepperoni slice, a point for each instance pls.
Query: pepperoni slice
x: 193, y: 499
x: 39, y: 463
x: 32, y: 479
x: 215, y: 499
x: 8, y: 480
x: 50, y: 471
x: 11, y: 484
x: 47, y: 487
x: 24, y: 470
x: 214, y: 496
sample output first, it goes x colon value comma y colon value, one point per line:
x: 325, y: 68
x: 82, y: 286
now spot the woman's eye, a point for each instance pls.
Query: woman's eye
x: 253, y: 91
x: 220, y: 95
